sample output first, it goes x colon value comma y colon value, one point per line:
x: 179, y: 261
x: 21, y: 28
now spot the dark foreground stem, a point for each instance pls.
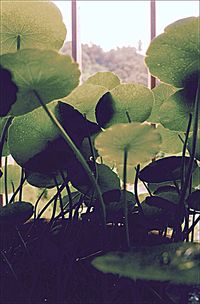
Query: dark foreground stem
x: 79, y: 156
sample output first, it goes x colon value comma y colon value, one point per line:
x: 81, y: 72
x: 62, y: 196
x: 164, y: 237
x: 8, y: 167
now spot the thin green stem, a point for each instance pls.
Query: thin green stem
x: 181, y: 203
x: 6, y: 179
x: 184, y: 151
x: 60, y: 199
x: 79, y: 156
x: 16, y: 191
x: 136, y: 189
x: 18, y: 42
x: 37, y: 202
x: 125, y: 197
x: 21, y: 185
x: 50, y: 201
x: 128, y: 116
x: 188, y: 231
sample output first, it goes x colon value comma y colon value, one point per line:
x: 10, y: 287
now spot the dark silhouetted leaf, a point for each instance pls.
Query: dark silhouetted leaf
x: 194, y: 200
x: 16, y: 213
x: 8, y: 91
x: 163, y: 170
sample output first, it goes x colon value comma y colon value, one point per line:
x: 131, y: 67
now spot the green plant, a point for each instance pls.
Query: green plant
x: 89, y: 141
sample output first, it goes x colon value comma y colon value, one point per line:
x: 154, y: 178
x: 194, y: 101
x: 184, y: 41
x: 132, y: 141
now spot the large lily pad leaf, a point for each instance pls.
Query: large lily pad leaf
x: 161, y: 93
x: 163, y: 170
x: 141, y: 141
x: 35, y: 142
x: 85, y: 98
x: 107, y: 179
x: 13, y: 178
x: 174, y: 112
x: 16, y: 213
x: 48, y: 73
x: 194, y: 200
x: 106, y: 79
x: 115, y: 210
x: 41, y: 180
x: 171, y: 143
x: 155, y: 218
x: 30, y: 133
x: 174, y: 55
x: 197, y: 151
x: 123, y: 101
x: 177, y: 263
x: 168, y: 192
x: 38, y: 24
x: 8, y: 91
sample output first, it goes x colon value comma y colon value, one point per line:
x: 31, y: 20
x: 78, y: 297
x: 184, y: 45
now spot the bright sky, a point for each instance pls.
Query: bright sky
x: 123, y: 23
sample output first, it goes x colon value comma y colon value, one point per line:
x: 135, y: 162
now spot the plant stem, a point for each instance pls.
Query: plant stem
x: 6, y: 179
x: 181, y: 203
x: 21, y: 185
x: 128, y: 116
x: 125, y: 197
x: 184, y: 151
x: 188, y: 231
x: 16, y: 191
x: 37, y: 202
x: 50, y: 201
x: 136, y: 189
x: 79, y: 156
x: 60, y: 199
x: 70, y: 198
x: 18, y: 42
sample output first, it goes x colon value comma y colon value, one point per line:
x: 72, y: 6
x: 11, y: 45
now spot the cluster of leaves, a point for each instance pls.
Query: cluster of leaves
x: 95, y: 135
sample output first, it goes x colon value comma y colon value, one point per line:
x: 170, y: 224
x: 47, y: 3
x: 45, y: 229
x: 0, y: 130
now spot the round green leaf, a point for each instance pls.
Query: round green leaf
x: 35, y: 142
x: 41, y: 180
x: 174, y: 55
x: 174, y: 112
x: 107, y: 180
x: 161, y: 93
x: 197, y: 151
x: 48, y: 73
x: 168, y: 193
x: 125, y: 100
x: 38, y: 23
x: 85, y: 97
x: 177, y: 263
x: 141, y: 141
x: 29, y: 134
x: 13, y: 178
x: 193, y: 200
x: 171, y: 143
x: 164, y: 169
x: 16, y: 213
x: 106, y: 79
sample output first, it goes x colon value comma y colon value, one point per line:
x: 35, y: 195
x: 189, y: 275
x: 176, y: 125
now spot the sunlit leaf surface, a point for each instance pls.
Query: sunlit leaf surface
x: 141, y: 141
x: 177, y: 263
x: 38, y: 23
x: 51, y: 75
x: 125, y: 102
x: 106, y: 79
x: 174, y: 55
x: 85, y: 98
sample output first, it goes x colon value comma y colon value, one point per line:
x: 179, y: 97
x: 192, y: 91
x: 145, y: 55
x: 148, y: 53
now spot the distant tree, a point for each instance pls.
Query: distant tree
x: 124, y: 61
